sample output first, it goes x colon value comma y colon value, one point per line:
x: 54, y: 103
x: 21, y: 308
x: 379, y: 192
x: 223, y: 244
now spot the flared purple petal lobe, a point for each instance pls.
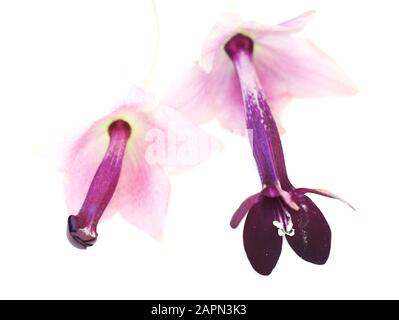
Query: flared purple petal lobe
x: 261, y: 240
x: 312, y: 238
x: 243, y: 210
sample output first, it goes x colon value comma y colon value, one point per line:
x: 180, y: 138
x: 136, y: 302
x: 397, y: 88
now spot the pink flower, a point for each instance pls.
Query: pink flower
x: 120, y: 164
x: 288, y: 67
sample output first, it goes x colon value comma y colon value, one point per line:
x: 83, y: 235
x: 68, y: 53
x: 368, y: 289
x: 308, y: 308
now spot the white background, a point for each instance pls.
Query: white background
x: 64, y: 64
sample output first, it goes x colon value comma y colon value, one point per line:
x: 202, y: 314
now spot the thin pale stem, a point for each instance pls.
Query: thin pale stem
x: 157, y: 44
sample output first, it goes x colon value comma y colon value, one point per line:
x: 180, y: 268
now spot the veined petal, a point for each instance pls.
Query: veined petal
x: 312, y: 238
x: 294, y: 67
x: 261, y: 240
x: 202, y: 96
x: 142, y: 194
x: 192, y: 95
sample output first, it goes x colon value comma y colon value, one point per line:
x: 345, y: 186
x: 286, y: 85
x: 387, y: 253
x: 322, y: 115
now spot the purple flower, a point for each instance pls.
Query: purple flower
x: 279, y: 209
x: 269, y: 67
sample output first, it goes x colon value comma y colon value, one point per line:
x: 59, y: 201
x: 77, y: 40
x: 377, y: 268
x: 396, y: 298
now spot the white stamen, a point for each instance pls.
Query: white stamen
x: 285, y: 230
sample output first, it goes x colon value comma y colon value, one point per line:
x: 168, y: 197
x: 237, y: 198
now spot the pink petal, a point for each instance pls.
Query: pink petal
x: 175, y: 142
x: 295, y: 68
x: 201, y: 96
x: 168, y: 141
x: 137, y: 98
x: 228, y: 101
x: 143, y: 194
x: 219, y: 35
x: 258, y: 31
x: 298, y: 23
x: 190, y: 95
